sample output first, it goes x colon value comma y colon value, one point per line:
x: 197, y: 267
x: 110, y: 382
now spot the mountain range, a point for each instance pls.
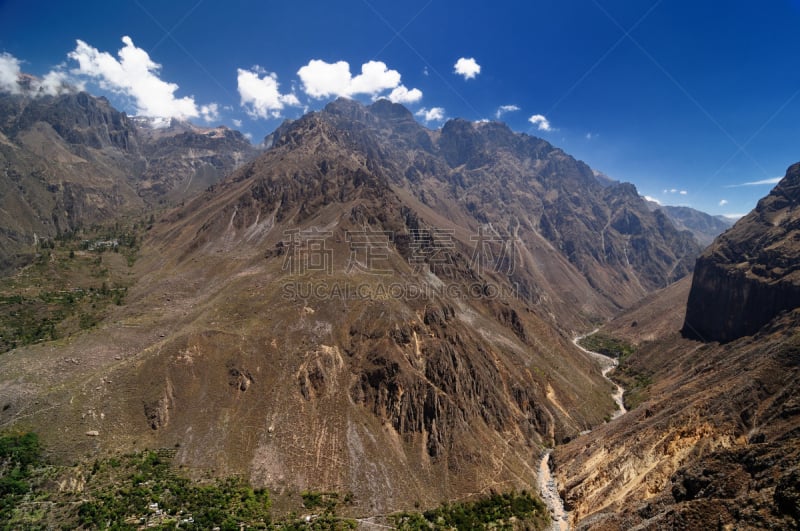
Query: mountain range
x: 374, y: 307
x: 704, y: 227
x: 73, y: 160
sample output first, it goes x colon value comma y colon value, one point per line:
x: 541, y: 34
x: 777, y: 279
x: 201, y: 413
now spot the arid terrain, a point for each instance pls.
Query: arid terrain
x: 373, y: 308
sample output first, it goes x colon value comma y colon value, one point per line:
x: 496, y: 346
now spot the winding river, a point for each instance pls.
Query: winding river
x: 546, y: 482
x: 607, y: 364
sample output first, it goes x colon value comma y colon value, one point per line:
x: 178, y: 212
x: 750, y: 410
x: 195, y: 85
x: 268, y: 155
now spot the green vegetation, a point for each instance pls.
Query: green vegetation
x: 636, y: 384
x: 498, y: 511
x: 325, y: 500
x: 141, y: 490
x: 607, y: 345
x: 151, y: 494
x: 136, y: 491
x: 70, y: 286
x: 19, y: 453
x: 30, y: 319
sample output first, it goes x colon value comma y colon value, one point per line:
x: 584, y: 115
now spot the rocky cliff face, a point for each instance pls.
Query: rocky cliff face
x: 752, y: 272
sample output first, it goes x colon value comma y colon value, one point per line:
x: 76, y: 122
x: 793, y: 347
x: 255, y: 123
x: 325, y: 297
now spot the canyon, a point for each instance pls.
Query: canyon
x: 369, y: 306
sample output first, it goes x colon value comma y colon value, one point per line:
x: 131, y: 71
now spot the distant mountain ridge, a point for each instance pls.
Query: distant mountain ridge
x: 73, y: 159
x: 704, y: 227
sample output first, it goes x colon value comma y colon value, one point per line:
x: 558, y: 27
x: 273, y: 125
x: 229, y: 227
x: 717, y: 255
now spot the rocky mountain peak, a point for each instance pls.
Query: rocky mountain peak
x: 80, y: 119
x: 391, y: 111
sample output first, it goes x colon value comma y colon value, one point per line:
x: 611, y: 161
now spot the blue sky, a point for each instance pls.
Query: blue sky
x: 688, y: 100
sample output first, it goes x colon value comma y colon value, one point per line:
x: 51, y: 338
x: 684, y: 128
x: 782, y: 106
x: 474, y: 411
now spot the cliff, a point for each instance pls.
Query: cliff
x: 752, y: 272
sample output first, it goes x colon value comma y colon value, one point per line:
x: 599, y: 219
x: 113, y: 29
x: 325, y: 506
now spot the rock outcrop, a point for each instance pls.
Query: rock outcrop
x: 752, y: 272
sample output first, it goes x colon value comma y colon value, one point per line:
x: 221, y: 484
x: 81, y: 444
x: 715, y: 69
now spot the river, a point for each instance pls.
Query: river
x: 607, y: 364
x: 546, y: 482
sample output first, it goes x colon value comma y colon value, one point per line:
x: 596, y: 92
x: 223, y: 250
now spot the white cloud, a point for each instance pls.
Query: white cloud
x: 683, y: 192
x: 434, y: 114
x: 236, y: 123
x: 134, y: 75
x: 322, y: 80
x: 589, y: 136
x: 53, y: 83
x: 9, y: 73
x: 467, y: 67
x: 402, y: 95
x: 733, y: 217
x: 723, y: 202
x: 774, y: 180
x: 56, y: 82
x: 541, y: 122
x: 652, y: 199
x: 209, y: 112
x: 260, y: 96
x: 375, y: 77
x: 503, y: 109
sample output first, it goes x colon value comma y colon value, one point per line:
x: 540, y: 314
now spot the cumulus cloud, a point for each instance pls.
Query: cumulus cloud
x: 773, y: 180
x: 434, y: 114
x: 467, y: 67
x: 723, y: 202
x: 675, y: 191
x: 56, y: 82
x: 134, y: 75
x: 260, y: 96
x: 236, y: 123
x: 503, y: 109
x: 12, y: 80
x: 541, y: 122
x: 401, y: 94
x: 683, y: 192
x: 652, y: 199
x: 9, y: 73
x: 590, y: 136
x: 209, y: 112
x: 323, y: 80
